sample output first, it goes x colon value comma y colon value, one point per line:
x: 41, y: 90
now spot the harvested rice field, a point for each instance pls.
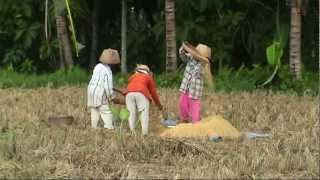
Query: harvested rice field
x: 44, y: 150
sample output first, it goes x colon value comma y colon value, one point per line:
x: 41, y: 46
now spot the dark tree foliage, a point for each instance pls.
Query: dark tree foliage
x: 237, y: 30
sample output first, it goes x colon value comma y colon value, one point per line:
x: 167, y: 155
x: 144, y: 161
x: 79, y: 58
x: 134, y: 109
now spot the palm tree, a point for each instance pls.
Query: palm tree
x: 298, y: 7
x: 124, y: 38
x: 66, y: 60
x: 94, y: 41
x: 319, y: 66
x: 171, y: 56
x: 295, y: 39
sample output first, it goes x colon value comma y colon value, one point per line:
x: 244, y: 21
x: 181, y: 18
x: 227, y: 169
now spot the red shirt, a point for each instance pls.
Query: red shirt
x: 143, y: 83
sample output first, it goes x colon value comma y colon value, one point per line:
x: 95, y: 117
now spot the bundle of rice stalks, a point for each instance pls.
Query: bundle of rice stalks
x: 7, y: 145
x: 212, y: 125
x: 61, y: 120
x: 6, y: 169
x: 208, y: 75
x: 149, y: 171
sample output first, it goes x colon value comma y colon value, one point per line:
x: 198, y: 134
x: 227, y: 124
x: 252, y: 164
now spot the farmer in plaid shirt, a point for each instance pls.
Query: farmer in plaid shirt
x: 192, y: 83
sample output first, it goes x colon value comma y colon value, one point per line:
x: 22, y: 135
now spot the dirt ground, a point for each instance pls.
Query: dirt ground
x: 78, y: 151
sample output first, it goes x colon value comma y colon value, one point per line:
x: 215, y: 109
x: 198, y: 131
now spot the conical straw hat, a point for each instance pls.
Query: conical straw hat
x: 143, y: 67
x: 201, y: 52
x: 110, y: 56
x: 204, y: 50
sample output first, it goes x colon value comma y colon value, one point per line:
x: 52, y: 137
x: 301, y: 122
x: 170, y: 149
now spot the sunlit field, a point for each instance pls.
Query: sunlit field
x: 77, y: 151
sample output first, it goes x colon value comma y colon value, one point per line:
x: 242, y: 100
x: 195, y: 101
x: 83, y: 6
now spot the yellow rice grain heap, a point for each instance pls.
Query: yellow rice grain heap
x: 212, y: 125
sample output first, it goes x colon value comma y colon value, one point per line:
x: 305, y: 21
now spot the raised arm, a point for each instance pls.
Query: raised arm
x: 184, y: 56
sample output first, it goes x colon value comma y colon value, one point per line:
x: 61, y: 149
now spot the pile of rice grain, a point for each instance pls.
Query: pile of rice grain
x: 212, y: 125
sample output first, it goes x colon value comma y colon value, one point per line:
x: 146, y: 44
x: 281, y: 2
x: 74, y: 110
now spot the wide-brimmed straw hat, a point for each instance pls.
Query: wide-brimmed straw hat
x: 110, y: 56
x: 143, y: 67
x: 202, y: 52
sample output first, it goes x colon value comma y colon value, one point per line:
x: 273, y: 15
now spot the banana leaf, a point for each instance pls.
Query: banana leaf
x: 274, y: 54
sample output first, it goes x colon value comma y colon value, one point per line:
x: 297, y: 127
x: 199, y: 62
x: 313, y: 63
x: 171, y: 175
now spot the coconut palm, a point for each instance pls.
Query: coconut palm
x: 319, y: 64
x: 171, y: 57
x: 298, y: 7
x: 66, y: 60
x: 94, y: 41
x: 124, y: 37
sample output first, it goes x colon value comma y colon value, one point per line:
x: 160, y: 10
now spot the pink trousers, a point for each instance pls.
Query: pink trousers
x: 189, y: 108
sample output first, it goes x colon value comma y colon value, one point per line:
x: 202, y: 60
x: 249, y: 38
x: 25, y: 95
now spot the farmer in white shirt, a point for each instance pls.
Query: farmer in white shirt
x: 100, y: 89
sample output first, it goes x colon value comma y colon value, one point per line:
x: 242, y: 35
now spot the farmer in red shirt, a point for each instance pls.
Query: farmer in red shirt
x: 141, y: 90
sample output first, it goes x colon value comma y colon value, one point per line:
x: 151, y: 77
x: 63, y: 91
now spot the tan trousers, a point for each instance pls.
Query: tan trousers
x: 105, y: 113
x: 137, y: 104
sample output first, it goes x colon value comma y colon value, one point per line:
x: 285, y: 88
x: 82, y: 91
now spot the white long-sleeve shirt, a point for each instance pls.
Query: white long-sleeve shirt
x: 100, y: 86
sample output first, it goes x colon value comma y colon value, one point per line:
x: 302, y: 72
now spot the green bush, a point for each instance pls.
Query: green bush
x: 162, y: 80
x: 169, y: 80
x: 308, y: 84
x: 245, y: 79
x: 242, y: 79
x: 121, y: 79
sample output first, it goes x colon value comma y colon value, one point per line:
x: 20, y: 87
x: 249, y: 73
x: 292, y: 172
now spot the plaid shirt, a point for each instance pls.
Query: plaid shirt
x: 192, y: 81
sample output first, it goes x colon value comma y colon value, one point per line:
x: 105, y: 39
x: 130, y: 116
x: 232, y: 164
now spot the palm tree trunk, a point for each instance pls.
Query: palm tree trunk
x: 62, y: 64
x: 295, y: 39
x: 124, y: 69
x: 318, y: 122
x: 171, y: 56
x: 62, y: 33
x: 94, y: 42
x: 317, y: 126
x: 46, y: 20
x: 319, y: 66
x: 64, y: 41
x: 319, y: 70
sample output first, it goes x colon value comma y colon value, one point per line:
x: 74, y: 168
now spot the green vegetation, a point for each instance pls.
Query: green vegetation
x: 228, y: 80
x: 244, y: 79
x: 74, y: 76
x: 238, y: 31
x: 265, y: 60
x: 249, y: 41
